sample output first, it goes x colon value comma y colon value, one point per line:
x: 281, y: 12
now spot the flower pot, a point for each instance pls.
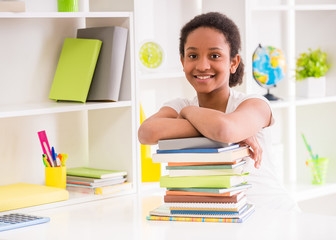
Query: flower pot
x: 311, y: 87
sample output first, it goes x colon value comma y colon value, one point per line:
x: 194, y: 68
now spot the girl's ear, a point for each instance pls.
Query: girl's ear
x: 234, y: 63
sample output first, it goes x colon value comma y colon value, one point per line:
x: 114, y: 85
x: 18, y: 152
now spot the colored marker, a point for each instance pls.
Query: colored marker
x: 64, y: 158
x: 45, y: 160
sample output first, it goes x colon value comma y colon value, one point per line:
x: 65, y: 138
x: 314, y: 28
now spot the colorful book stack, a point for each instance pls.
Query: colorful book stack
x: 96, y: 181
x: 206, y: 181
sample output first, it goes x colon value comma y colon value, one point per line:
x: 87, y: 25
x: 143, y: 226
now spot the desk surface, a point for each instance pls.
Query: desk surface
x: 124, y: 218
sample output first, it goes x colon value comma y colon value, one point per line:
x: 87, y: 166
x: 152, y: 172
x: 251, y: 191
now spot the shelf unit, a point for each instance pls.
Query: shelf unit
x: 291, y: 25
x: 101, y: 135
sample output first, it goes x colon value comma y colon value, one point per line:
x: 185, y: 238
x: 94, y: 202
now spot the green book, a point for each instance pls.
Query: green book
x: 239, y: 187
x: 220, y: 181
x: 75, y: 69
x: 94, y: 172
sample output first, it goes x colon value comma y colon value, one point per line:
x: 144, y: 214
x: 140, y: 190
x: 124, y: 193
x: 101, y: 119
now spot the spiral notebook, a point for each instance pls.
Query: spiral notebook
x: 163, y: 213
x: 208, y: 206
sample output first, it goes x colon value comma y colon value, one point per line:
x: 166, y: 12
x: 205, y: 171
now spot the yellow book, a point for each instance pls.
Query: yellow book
x: 150, y: 172
x: 113, y: 188
x: 22, y: 195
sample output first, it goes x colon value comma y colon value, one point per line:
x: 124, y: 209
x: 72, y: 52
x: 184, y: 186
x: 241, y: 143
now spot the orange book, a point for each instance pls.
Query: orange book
x: 202, y: 199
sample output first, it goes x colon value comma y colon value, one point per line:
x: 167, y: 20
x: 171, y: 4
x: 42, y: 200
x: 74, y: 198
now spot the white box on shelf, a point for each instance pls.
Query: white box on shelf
x: 311, y: 87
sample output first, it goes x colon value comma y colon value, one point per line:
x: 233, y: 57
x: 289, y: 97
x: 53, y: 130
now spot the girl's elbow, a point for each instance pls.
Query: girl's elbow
x: 223, y: 133
x: 146, y: 136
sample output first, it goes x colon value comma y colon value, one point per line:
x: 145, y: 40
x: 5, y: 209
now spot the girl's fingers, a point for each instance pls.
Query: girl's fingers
x: 255, y: 150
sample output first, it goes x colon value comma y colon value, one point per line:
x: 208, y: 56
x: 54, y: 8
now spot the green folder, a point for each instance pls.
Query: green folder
x: 95, y: 173
x: 75, y: 69
x: 220, y: 181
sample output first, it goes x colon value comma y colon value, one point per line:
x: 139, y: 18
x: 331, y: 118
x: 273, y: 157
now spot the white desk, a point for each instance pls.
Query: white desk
x: 124, y: 218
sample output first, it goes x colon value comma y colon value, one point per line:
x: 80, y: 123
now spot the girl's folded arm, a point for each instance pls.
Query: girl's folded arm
x: 250, y: 117
x: 165, y: 124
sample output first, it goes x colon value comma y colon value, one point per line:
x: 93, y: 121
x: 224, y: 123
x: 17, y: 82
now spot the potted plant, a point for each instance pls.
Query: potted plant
x: 311, y: 68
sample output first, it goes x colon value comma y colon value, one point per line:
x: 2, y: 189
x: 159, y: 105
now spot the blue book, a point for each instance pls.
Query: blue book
x: 200, y: 150
x: 209, y: 212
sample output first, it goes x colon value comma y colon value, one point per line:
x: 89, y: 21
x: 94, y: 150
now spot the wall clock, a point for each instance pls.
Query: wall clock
x: 151, y: 55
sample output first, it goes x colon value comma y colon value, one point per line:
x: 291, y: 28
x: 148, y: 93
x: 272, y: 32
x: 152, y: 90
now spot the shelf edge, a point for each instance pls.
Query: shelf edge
x: 50, y: 108
x: 65, y: 14
x: 306, y: 192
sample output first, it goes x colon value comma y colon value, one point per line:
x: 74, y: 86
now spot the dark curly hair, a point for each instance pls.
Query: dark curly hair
x: 223, y: 24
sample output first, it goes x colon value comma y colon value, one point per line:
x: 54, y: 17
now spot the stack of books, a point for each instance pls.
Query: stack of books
x: 96, y: 181
x: 206, y: 181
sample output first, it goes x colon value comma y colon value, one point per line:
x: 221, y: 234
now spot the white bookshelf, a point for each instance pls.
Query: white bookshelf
x: 302, y: 192
x: 291, y: 25
x: 20, y: 110
x: 96, y: 134
x: 65, y: 14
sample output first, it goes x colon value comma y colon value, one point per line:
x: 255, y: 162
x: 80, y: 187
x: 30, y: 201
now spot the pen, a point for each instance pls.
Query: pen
x: 53, y: 155
x: 308, y: 147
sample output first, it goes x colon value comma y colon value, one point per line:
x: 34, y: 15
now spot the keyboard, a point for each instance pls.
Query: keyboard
x: 18, y: 220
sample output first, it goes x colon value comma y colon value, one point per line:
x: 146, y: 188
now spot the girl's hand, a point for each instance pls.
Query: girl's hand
x: 255, y: 149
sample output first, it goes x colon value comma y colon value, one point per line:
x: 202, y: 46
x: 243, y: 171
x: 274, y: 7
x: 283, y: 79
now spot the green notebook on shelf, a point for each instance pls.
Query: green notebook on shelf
x: 75, y: 69
x: 94, y: 172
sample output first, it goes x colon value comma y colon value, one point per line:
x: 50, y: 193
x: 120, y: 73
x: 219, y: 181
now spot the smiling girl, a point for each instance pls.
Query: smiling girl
x: 209, y: 52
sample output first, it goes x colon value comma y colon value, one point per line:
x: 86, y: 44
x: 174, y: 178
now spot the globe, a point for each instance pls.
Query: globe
x: 269, y: 68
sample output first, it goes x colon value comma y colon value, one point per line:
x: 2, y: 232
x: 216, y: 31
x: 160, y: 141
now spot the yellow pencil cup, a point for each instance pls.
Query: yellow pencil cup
x: 55, y: 177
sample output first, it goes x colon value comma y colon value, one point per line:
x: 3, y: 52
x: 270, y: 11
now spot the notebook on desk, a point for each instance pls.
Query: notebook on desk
x: 20, y: 195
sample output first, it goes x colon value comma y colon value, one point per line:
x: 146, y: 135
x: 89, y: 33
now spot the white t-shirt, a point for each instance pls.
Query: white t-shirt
x: 267, y: 191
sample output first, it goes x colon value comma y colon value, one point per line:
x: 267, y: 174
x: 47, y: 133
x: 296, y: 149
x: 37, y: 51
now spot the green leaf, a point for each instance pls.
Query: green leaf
x: 311, y: 64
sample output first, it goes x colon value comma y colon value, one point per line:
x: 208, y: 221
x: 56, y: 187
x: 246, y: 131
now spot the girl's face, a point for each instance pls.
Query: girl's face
x: 206, y: 62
